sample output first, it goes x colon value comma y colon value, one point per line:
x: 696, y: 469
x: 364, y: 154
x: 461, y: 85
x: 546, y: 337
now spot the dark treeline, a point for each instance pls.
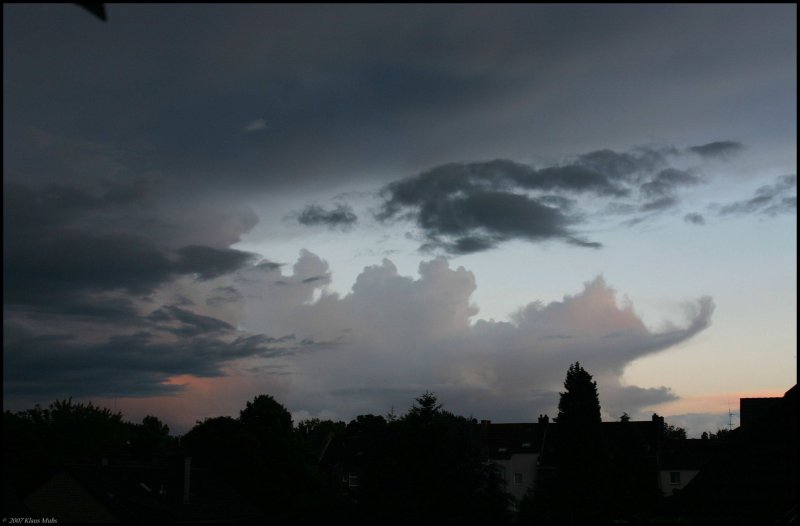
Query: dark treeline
x: 427, y: 464
x: 40, y: 440
x: 599, y: 477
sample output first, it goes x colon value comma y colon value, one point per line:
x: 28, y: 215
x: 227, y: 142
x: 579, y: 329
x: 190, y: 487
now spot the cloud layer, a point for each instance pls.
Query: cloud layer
x: 471, y: 207
x: 381, y: 345
x: 63, y: 243
x: 463, y: 208
x: 394, y: 336
x: 341, y: 217
x: 721, y: 149
x: 130, y: 165
x: 270, y: 95
x: 769, y: 200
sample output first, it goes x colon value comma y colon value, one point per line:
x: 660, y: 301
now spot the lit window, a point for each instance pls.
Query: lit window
x: 674, y: 477
x: 518, y: 478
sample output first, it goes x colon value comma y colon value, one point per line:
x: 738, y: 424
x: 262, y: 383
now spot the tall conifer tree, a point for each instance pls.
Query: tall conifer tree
x: 581, y: 458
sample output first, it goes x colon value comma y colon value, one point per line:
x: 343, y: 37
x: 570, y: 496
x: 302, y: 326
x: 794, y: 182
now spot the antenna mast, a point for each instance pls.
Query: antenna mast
x: 730, y: 418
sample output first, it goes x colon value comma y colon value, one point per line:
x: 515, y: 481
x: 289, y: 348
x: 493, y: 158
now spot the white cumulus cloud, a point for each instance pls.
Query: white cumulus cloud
x: 392, y: 337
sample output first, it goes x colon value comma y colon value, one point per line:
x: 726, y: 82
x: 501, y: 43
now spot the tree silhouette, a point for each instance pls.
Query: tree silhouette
x: 576, y: 492
x: 266, y: 417
x: 581, y: 461
x: 579, y: 405
x: 223, y: 444
x: 261, y: 454
x: 425, y: 408
x: 38, y: 440
x: 150, y: 438
x: 426, y: 465
x: 721, y: 434
x: 317, y: 433
x: 672, y: 432
x: 75, y: 431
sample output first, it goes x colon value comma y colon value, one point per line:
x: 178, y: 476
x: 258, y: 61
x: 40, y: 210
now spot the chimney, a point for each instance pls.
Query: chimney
x: 485, y: 425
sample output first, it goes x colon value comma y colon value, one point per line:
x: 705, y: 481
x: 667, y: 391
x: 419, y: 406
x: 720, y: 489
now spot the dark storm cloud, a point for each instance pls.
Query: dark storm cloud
x: 27, y: 208
x: 223, y: 296
x: 67, y: 296
x: 694, y: 218
x: 332, y: 99
x: 210, y: 262
x: 583, y: 242
x: 770, y: 200
x: 340, y: 217
x: 133, y: 364
x: 356, y: 81
x: 190, y: 324
x: 625, y: 164
x: 470, y: 244
x: 86, y: 257
x: 59, y: 245
x: 125, y: 159
x: 466, y: 208
x: 78, y: 306
x: 721, y: 149
x: 668, y: 180
x: 71, y: 263
x: 504, y: 215
x: 57, y: 365
x: 499, y: 174
x: 312, y: 279
x: 659, y: 204
x: 77, y: 261
x: 471, y: 207
x: 571, y: 178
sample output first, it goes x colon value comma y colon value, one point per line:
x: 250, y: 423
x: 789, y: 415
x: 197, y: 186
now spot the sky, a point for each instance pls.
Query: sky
x: 345, y: 206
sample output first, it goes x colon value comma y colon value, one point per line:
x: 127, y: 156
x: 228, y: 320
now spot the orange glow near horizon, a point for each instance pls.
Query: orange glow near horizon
x: 227, y: 395
x: 202, y: 397
x: 718, y: 403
